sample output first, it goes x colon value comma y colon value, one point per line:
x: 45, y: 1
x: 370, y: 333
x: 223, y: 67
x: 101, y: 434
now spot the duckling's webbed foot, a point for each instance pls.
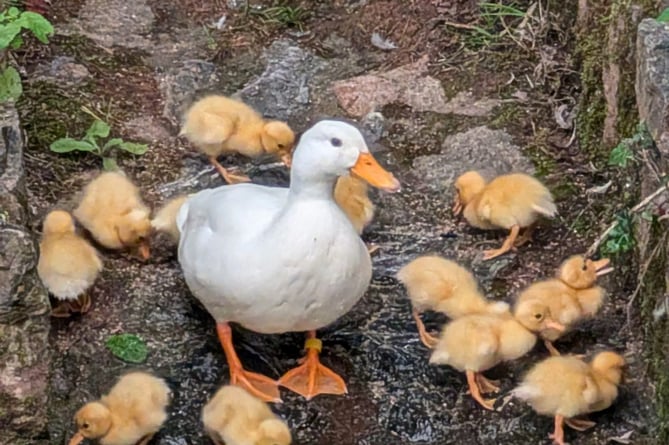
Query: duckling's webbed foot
x: 84, y: 301
x: 579, y: 424
x: 476, y: 393
x: 486, y: 385
x: 230, y: 178
x: 260, y: 386
x: 558, y: 433
x: 312, y: 378
x: 428, y: 339
x: 62, y: 310
x: 526, y: 237
x: 507, y: 246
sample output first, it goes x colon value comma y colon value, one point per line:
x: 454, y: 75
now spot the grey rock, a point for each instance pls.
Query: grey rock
x: 114, y: 22
x: 480, y: 148
x: 62, y: 71
x: 182, y: 83
x: 146, y: 129
x: 24, y: 306
x: 283, y: 91
x: 652, y: 80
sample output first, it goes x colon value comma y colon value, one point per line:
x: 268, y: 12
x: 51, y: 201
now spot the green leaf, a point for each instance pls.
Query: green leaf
x: 115, y: 142
x: 664, y: 16
x: 620, y: 155
x: 136, y: 149
x: 66, y: 145
x: 10, y: 84
x: 17, y: 42
x: 128, y: 347
x: 109, y: 164
x: 13, y: 12
x: 36, y: 23
x: 7, y: 33
x: 98, y: 129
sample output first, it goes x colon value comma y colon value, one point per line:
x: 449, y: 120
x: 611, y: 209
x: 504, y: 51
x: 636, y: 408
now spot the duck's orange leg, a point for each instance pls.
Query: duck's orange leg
x: 508, y: 244
x: 257, y: 384
x: 579, y: 424
x: 428, y: 340
x: 526, y: 237
x: 558, y: 433
x: 312, y: 378
x: 553, y: 351
x: 476, y: 393
x: 485, y: 384
x: 230, y: 178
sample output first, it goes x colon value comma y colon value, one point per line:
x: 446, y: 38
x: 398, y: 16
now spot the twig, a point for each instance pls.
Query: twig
x: 642, y: 275
x: 640, y: 206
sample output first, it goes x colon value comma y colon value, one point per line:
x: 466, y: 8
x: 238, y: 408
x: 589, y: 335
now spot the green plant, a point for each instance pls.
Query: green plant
x: 664, y: 16
x: 89, y: 143
x: 622, y: 153
x: 621, y: 237
x: 12, y: 23
x: 128, y: 347
x: 492, y: 25
x: 291, y: 16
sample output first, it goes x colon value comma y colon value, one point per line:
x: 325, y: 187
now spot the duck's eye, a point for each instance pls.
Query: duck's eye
x: 85, y: 426
x: 281, y: 146
x: 585, y: 266
x: 336, y: 142
x: 538, y: 316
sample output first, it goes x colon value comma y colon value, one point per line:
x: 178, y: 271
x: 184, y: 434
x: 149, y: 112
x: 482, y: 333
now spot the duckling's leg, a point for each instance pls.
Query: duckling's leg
x: 428, y: 340
x: 76, y: 439
x: 146, y: 439
x: 476, y: 393
x: 257, y: 384
x: 558, y: 434
x: 84, y: 303
x: 508, y: 244
x: 486, y: 385
x: 549, y: 345
x: 579, y: 424
x: 526, y: 236
x: 312, y: 378
x: 230, y: 178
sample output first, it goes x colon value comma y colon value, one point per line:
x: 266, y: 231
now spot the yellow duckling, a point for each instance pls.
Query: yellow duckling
x: 68, y: 265
x: 511, y: 202
x: 437, y: 284
x: 114, y: 213
x: 165, y: 219
x: 550, y: 307
x: 235, y: 417
x: 218, y: 125
x: 566, y: 387
x: 475, y: 343
x: 132, y: 412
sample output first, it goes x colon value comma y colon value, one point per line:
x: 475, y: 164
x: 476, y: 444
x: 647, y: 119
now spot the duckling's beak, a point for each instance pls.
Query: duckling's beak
x: 287, y: 160
x: 144, y: 250
x: 552, y: 324
x: 368, y: 169
x: 601, y: 267
x: 76, y: 439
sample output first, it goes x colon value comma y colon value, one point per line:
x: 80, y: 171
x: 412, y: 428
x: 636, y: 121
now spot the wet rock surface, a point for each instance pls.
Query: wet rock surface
x: 395, y: 396
x: 24, y: 307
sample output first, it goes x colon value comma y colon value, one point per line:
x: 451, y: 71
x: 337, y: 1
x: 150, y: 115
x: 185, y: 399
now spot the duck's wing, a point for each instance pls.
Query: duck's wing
x: 240, y: 210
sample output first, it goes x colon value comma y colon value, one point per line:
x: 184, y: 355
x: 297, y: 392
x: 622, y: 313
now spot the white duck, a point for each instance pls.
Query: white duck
x: 281, y: 260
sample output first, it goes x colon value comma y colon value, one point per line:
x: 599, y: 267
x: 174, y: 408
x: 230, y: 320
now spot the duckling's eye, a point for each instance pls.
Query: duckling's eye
x: 336, y: 142
x: 281, y: 146
x: 85, y: 426
x: 585, y: 266
x: 538, y: 316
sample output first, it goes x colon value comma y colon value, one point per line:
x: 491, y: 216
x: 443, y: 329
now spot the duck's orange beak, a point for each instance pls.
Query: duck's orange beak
x: 287, y: 160
x: 368, y: 169
x: 76, y: 439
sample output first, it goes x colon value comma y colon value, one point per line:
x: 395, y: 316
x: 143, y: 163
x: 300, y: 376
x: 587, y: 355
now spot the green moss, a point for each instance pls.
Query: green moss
x: 506, y: 115
x: 48, y: 113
